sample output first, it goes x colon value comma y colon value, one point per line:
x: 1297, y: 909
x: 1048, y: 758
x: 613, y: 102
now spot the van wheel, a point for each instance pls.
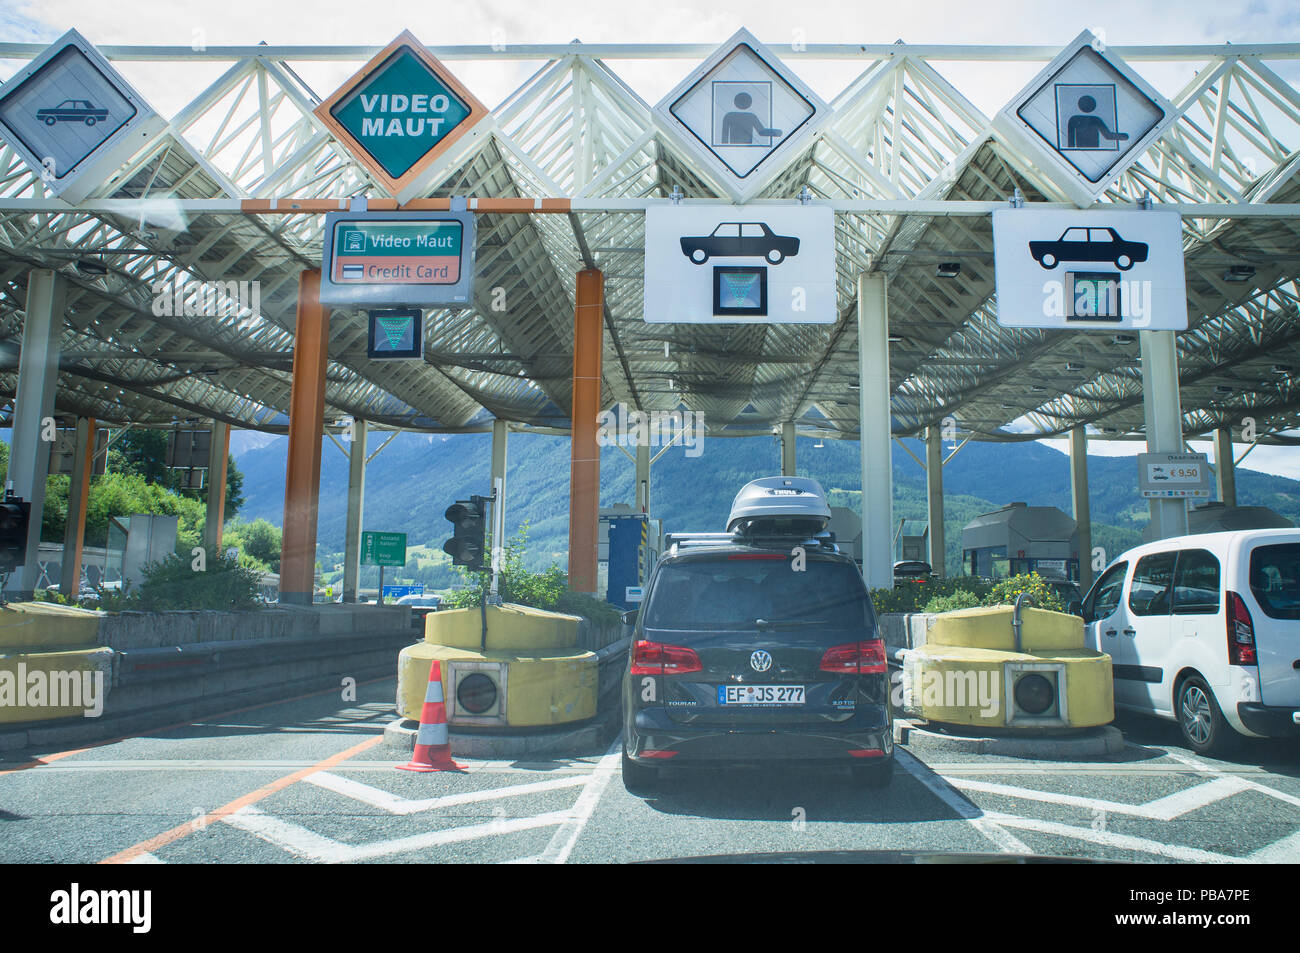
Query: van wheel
x: 874, y: 776
x: 637, y: 778
x: 1204, y: 727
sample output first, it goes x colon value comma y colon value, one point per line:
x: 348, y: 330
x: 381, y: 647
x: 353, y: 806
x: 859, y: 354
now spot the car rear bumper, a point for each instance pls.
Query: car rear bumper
x: 651, y: 730
x: 1270, y: 721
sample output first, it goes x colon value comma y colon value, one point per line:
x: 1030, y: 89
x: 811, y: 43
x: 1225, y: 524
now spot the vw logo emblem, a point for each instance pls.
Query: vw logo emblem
x: 760, y: 661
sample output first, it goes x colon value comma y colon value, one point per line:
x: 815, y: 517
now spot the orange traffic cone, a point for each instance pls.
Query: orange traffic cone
x: 432, y: 746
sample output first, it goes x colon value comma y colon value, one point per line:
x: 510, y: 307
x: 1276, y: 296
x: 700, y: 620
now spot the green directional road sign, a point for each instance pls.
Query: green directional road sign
x: 383, y: 549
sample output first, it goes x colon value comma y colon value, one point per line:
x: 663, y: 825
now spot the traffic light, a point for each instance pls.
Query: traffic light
x: 469, y: 521
x: 14, y: 516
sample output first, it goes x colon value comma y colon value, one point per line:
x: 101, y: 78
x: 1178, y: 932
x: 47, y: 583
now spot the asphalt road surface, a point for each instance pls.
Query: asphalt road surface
x: 306, y: 780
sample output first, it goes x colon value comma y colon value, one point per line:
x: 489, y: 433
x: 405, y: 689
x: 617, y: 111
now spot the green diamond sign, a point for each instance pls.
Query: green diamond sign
x: 400, y: 112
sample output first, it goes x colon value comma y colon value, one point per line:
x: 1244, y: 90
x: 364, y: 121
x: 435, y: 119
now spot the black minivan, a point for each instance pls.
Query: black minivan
x: 757, y: 646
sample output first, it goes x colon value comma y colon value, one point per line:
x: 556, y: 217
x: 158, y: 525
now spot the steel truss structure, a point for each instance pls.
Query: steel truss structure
x: 910, y: 165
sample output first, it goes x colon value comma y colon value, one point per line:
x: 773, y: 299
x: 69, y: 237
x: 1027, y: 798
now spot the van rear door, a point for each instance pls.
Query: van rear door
x: 1274, y: 582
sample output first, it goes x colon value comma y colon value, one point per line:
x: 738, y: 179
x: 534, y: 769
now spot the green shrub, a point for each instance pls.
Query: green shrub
x: 544, y: 589
x: 1004, y: 592
x: 961, y: 599
x: 174, y: 584
x: 964, y: 592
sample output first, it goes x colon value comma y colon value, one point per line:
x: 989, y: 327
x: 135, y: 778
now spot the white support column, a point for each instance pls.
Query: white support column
x: 38, y: 371
x: 643, y: 477
x: 500, y: 435
x: 356, y: 502
x: 1225, y: 474
x: 934, y: 497
x: 875, y: 431
x: 787, y: 449
x: 1081, y: 503
x: 1164, y: 421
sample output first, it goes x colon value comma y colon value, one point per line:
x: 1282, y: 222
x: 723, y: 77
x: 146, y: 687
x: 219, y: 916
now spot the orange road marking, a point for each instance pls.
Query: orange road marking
x: 189, y: 827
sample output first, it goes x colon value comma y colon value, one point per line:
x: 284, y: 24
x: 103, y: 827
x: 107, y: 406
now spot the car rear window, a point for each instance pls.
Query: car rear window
x: 1275, y: 579
x: 735, y: 591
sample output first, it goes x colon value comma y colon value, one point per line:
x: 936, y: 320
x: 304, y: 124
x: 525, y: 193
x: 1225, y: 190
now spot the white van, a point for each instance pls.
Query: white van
x: 1205, y: 630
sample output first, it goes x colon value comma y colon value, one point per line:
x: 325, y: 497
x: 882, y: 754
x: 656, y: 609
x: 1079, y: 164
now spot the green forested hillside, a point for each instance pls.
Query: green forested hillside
x: 411, y: 483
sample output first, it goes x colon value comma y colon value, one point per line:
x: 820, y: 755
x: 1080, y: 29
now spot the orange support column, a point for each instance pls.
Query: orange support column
x: 74, y: 536
x: 306, y: 418
x: 584, y: 471
x: 215, y: 516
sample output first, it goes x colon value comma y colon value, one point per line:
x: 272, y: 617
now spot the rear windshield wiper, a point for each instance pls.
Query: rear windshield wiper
x: 786, y: 623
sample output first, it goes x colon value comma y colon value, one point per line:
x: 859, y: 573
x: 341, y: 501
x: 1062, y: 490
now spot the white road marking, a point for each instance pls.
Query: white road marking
x: 145, y: 858
x: 1111, y: 839
x: 395, y: 804
x: 1006, y: 842
x: 1214, y: 769
x: 1162, y: 809
x: 1284, y: 851
x: 308, y: 844
x: 561, y: 845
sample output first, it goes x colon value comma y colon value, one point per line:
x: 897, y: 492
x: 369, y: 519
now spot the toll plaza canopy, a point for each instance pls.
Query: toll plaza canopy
x: 234, y: 188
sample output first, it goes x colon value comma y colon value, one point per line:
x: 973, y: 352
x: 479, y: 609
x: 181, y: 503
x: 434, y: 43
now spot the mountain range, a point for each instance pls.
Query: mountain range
x: 410, y: 483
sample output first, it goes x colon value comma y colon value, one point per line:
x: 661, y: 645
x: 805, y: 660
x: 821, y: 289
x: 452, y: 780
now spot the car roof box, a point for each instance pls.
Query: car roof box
x: 780, y: 506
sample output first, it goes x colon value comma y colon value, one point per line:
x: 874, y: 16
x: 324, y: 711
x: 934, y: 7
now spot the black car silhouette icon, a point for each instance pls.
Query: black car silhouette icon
x: 72, y: 110
x: 1089, y: 244
x: 741, y: 240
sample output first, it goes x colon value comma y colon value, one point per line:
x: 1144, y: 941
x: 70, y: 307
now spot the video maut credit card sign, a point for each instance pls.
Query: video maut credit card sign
x: 1090, y: 270
x: 398, y: 258
x: 728, y: 264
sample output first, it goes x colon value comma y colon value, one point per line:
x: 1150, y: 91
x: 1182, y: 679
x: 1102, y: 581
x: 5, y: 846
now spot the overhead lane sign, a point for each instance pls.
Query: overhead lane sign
x: 402, y: 113
x: 398, y: 258
x: 1085, y: 118
x: 741, y: 114
x: 1102, y: 269
x: 74, y: 118
x: 728, y: 264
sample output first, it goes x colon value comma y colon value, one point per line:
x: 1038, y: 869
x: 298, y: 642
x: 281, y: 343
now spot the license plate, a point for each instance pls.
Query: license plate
x: 760, y: 695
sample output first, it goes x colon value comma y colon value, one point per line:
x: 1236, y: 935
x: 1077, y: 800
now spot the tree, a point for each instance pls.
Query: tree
x: 259, y: 539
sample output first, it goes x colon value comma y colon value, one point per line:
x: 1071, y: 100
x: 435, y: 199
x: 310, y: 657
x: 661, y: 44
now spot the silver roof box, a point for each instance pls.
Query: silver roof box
x: 780, y: 505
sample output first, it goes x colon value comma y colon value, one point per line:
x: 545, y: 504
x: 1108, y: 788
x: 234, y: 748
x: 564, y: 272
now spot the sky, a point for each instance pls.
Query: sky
x: 780, y: 25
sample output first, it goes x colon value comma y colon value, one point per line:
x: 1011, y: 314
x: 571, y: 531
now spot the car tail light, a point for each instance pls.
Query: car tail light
x: 856, y: 658
x: 1241, y: 632
x: 656, y: 658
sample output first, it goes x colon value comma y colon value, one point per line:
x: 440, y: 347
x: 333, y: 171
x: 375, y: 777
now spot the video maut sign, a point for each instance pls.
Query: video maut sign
x: 74, y: 118
x: 728, y: 264
x: 400, y: 113
x: 1090, y: 270
x: 1085, y: 118
x: 412, y: 259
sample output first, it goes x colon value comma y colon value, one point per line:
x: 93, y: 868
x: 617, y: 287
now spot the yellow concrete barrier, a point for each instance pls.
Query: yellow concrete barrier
x: 510, y: 628
x: 967, y: 670
x: 47, y: 626
x: 39, y: 686
x: 532, y: 653
x: 50, y: 664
